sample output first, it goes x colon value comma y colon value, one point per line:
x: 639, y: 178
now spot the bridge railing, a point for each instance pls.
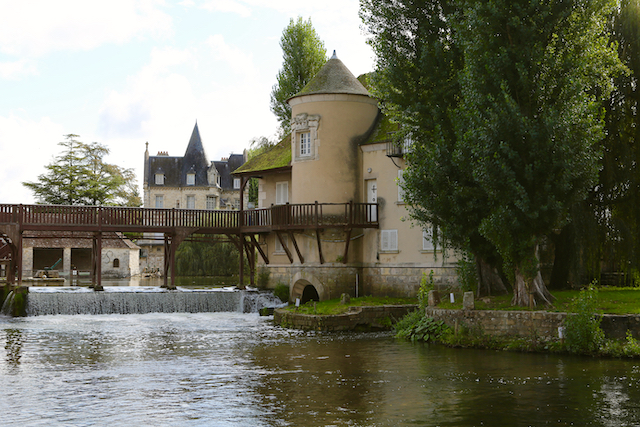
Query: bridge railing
x: 281, y: 216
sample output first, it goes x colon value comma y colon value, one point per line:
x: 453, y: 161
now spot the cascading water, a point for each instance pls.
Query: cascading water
x: 140, y: 300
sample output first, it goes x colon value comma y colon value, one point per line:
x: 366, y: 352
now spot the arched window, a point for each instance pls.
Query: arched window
x: 116, y: 263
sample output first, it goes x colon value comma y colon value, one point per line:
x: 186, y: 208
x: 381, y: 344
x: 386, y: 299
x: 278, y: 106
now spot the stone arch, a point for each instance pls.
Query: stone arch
x: 302, y: 281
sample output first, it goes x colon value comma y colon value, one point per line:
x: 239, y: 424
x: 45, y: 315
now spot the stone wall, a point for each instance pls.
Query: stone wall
x: 530, y: 323
x: 368, y: 318
x: 404, y: 281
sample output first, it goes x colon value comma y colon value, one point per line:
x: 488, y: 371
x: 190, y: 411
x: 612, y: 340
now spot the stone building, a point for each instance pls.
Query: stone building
x: 69, y: 254
x: 187, y: 182
x: 340, y: 150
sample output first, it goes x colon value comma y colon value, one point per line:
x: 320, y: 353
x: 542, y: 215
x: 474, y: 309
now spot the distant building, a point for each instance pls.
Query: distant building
x: 69, y: 254
x: 187, y: 182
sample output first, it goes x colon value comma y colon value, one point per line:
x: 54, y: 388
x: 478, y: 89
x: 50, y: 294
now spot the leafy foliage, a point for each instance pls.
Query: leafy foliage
x: 303, y: 55
x: 207, y: 259
x: 503, y: 100
x: 282, y: 291
x: 583, y: 333
x: 415, y: 326
x: 80, y: 176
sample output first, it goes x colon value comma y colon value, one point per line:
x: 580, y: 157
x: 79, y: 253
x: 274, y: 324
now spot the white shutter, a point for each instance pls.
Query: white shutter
x: 389, y: 240
x: 282, y: 193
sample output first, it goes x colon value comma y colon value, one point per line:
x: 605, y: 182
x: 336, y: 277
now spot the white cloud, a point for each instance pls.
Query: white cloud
x: 38, y: 27
x: 15, y: 70
x: 236, y: 59
x: 26, y: 146
x: 227, y: 6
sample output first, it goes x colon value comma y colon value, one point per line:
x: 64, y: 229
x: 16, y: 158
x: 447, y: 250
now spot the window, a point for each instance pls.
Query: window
x: 116, y: 263
x: 305, y: 144
x: 407, y: 143
x: 218, y: 180
x: 236, y: 204
x: 191, y: 202
x: 388, y: 240
x: 400, y: 183
x: 191, y: 179
x: 159, y: 179
x: 427, y: 240
x: 282, y: 193
x: 279, y: 248
x: 159, y: 202
x: 236, y: 183
x: 211, y: 202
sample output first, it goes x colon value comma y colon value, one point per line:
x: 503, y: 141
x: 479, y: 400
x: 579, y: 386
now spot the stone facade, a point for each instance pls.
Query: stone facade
x: 71, y: 252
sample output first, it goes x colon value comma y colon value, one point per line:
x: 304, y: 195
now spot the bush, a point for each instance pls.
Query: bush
x: 467, y: 273
x: 282, y: 291
x: 416, y: 326
x: 583, y: 333
x: 263, y: 277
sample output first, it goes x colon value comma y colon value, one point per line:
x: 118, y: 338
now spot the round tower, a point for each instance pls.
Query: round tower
x: 330, y: 116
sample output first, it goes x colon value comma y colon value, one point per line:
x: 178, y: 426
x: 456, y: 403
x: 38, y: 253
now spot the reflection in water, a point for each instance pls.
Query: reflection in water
x: 238, y: 370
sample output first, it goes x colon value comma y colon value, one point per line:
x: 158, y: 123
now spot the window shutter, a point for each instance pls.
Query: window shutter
x: 400, y: 183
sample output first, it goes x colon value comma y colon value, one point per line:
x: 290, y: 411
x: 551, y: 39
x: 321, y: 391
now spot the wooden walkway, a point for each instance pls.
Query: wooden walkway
x: 177, y: 224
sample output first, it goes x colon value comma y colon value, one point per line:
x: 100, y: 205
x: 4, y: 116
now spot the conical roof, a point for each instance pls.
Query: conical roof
x: 334, y: 77
x: 195, y: 158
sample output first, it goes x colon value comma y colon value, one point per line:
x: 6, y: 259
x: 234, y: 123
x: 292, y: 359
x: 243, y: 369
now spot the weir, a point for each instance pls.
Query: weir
x: 122, y: 300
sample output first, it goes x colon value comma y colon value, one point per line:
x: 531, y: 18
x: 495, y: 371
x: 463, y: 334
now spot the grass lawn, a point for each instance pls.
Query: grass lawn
x: 610, y: 300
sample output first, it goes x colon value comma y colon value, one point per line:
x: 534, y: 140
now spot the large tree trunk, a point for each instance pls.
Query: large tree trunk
x: 490, y: 282
x: 531, y: 292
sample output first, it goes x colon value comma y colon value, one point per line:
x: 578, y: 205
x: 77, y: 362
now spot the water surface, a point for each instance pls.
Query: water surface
x: 235, y: 369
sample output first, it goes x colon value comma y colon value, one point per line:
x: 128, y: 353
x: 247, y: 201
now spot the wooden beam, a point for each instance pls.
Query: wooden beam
x: 260, y: 251
x: 284, y: 246
x: 295, y: 245
x: 346, y: 247
x: 319, y: 247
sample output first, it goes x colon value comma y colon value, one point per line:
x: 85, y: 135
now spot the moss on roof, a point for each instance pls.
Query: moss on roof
x: 278, y: 156
x: 382, y: 130
x: 334, y: 77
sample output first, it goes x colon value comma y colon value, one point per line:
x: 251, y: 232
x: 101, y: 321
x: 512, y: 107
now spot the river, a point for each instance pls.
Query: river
x: 238, y: 369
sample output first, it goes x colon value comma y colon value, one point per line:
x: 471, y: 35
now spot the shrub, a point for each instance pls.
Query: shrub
x: 467, y: 273
x: 263, y: 277
x: 583, y: 333
x: 282, y: 291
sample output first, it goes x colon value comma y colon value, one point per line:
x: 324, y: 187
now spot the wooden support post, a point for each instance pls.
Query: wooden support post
x: 241, y: 251
x: 346, y: 247
x: 251, y: 257
x: 284, y: 246
x: 295, y: 245
x: 96, y: 262
x: 260, y: 251
x: 319, y: 246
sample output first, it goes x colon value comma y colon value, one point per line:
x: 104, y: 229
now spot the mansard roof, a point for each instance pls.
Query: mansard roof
x: 334, y: 77
x: 226, y: 167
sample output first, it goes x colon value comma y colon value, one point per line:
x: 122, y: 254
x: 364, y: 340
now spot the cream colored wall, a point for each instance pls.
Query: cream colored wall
x: 267, y: 188
x: 392, y: 214
x: 332, y: 176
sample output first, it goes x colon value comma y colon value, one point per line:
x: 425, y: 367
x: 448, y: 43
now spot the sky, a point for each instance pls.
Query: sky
x: 126, y: 72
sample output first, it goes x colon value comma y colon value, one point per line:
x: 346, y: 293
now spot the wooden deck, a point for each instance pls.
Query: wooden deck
x: 177, y: 224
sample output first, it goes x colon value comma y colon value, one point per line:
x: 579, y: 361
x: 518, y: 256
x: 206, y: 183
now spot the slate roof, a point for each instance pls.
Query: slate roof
x: 333, y: 77
x: 175, y: 169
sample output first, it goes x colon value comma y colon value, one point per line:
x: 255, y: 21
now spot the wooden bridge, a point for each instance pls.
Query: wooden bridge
x: 241, y: 227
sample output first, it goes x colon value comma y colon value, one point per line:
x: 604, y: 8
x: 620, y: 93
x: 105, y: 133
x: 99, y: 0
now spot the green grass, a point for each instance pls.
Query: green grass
x: 610, y: 301
x: 334, y: 306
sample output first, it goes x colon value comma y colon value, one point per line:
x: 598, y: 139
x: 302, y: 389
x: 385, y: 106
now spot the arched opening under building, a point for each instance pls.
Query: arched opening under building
x: 309, y: 293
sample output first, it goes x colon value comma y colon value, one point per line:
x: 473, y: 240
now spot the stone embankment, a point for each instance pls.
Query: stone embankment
x: 525, y: 323
x: 357, y: 318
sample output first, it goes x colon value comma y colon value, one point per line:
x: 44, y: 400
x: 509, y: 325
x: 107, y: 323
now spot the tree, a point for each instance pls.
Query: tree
x: 303, y: 55
x: 79, y: 176
x: 504, y: 100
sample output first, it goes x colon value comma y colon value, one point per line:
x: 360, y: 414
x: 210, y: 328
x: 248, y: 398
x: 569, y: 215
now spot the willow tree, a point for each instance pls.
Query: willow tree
x: 503, y: 99
x: 303, y: 54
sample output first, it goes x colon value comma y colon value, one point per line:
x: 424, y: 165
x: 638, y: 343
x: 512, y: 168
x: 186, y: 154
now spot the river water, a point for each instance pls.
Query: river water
x: 238, y: 369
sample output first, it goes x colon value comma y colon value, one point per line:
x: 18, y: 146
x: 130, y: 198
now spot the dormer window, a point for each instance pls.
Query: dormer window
x: 191, y: 178
x: 159, y: 178
x: 236, y: 183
